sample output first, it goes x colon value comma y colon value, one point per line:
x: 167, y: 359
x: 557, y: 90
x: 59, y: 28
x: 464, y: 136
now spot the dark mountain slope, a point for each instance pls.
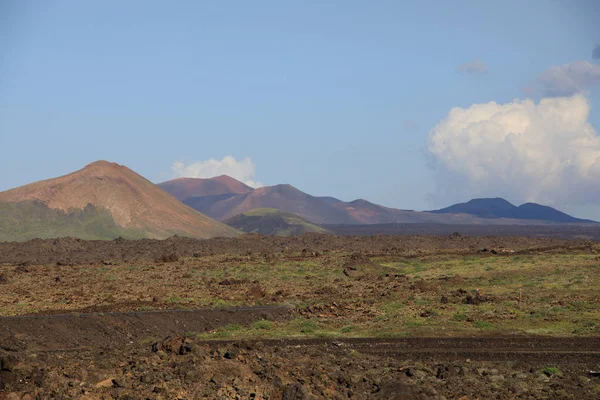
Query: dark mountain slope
x: 269, y: 221
x: 500, y: 208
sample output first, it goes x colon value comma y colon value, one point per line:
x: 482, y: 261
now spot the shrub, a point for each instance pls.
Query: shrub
x: 263, y: 325
x: 551, y: 371
x: 482, y: 325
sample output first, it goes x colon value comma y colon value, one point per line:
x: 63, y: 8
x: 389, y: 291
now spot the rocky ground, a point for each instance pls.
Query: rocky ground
x: 305, y: 317
x: 178, y: 367
x: 71, y: 251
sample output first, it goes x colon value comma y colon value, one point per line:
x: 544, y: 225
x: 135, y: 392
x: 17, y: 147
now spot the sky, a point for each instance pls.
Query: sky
x: 413, y: 105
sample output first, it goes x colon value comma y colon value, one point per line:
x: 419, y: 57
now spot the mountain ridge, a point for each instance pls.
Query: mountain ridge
x: 330, y: 210
x: 497, y: 207
x: 183, y: 188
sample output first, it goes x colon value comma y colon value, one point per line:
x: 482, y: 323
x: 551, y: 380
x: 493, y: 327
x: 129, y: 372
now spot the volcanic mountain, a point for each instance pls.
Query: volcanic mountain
x: 282, y: 197
x: 500, y: 208
x: 223, y: 205
x: 135, y: 205
x: 184, y: 188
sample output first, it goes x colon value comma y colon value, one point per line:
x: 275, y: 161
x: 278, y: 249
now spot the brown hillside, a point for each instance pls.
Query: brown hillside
x: 184, y: 188
x: 282, y: 197
x: 325, y: 210
x: 133, y: 201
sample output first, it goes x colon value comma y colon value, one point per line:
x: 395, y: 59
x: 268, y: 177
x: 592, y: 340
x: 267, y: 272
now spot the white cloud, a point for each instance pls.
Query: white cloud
x: 474, y: 67
x: 568, y: 79
x: 546, y: 152
x: 243, y: 170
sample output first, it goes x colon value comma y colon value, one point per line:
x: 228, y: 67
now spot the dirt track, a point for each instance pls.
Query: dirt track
x: 106, y: 356
x: 98, y: 331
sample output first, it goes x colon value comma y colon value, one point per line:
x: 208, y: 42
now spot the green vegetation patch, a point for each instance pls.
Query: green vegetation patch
x: 270, y: 221
x: 33, y: 219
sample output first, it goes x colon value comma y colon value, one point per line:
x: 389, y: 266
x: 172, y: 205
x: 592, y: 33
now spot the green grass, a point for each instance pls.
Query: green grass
x: 270, y: 221
x: 526, y: 294
x: 483, y: 325
x: 263, y: 325
x: 552, y: 371
x: 32, y: 219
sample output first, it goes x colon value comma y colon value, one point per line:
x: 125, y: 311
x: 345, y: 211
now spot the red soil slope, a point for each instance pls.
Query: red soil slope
x: 133, y: 201
x: 184, y: 188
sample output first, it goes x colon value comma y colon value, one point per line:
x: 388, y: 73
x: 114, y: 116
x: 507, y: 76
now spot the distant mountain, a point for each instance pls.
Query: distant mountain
x: 107, y: 191
x: 223, y: 205
x: 330, y: 200
x: 282, y: 197
x: 184, y: 188
x: 318, y: 210
x: 500, y: 208
x: 484, y: 208
x: 269, y: 221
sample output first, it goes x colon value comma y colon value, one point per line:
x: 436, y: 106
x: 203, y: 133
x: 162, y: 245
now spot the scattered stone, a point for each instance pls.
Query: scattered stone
x: 476, y: 299
x: 442, y: 372
x: 7, y: 363
x: 175, y: 345
x: 118, y: 384
x: 256, y: 291
x: 294, y: 392
x: 107, y: 383
x: 232, y: 281
x: 186, y: 347
x: 168, y: 257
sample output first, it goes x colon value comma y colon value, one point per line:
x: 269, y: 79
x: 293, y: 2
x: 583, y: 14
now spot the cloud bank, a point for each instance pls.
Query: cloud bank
x: 546, y: 152
x: 243, y: 170
x: 474, y: 67
x: 568, y: 79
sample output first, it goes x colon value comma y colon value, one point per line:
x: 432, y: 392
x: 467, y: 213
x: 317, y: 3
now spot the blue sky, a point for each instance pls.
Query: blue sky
x: 335, y: 97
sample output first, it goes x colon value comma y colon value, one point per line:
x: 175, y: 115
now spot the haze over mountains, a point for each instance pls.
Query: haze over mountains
x: 105, y: 200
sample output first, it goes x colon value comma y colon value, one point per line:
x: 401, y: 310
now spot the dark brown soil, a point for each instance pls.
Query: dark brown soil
x: 34, y: 333
x: 559, y: 231
x: 113, y: 362
x: 70, y: 251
